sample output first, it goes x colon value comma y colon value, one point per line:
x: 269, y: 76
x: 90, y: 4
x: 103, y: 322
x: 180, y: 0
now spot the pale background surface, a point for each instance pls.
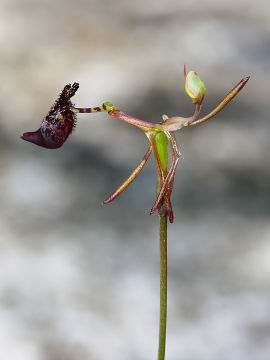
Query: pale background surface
x: 79, y: 280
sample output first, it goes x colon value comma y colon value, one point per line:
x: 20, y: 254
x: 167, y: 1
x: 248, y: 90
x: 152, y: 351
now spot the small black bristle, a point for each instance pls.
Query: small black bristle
x: 75, y: 86
x: 65, y: 95
x: 73, y: 89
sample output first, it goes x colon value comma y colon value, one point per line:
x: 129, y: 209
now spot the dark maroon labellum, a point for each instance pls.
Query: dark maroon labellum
x: 58, y: 124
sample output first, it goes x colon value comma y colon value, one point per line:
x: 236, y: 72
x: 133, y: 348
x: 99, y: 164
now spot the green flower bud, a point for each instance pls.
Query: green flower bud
x: 194, y: 87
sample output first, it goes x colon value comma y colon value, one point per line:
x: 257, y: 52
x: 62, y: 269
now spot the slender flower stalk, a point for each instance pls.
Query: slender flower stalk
x: 163, y: 286
x: 61, y: 120
x: 162, y: 153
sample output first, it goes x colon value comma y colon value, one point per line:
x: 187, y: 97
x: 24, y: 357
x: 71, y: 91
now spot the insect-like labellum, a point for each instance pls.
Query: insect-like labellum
x: 58, y: 124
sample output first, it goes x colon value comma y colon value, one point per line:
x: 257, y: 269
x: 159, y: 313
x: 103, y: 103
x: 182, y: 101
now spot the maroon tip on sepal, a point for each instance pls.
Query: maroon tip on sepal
x: 244, y: 81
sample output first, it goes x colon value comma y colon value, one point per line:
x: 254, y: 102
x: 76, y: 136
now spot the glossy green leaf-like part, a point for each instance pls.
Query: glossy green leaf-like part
x: 162, y: 148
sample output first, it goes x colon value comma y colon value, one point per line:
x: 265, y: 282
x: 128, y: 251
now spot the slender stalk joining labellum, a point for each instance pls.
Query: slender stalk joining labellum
x: 163, y: 286
x: 107, y: 107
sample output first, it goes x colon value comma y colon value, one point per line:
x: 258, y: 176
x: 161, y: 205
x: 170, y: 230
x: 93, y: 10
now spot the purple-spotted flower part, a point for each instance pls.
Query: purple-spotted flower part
x: 59, y: 122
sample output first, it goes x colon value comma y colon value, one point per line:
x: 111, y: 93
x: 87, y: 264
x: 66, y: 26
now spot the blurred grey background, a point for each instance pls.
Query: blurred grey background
x: 79, y: 280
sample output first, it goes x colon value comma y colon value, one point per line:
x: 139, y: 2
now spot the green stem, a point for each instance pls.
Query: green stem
x: 163, y: 285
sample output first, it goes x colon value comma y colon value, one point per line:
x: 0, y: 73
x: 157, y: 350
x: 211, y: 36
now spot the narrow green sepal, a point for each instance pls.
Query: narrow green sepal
x: 162, y: 148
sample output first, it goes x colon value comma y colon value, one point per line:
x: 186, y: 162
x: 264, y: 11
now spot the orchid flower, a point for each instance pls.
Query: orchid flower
x: 61, y: 120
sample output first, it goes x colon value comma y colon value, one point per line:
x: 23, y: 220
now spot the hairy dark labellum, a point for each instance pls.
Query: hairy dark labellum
x: 59, y: 122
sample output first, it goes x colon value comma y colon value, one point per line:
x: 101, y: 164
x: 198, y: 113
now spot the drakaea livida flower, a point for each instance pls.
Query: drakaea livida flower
x: 60, y: 121
x: 58, y: 124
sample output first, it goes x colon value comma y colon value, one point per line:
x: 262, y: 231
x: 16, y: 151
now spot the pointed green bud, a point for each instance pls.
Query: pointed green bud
x: 194, y: 87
